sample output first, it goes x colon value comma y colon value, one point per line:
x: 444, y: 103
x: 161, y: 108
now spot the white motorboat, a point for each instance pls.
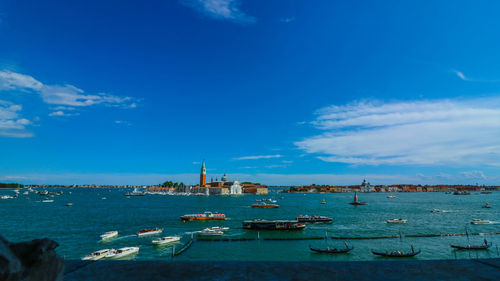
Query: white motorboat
x: 109, y: 234
x: 150, y: 231
x: 97, y: 255
x: 479, y: 221
x: 166, y: 240
x: 436, y: 211
x: 391, y: 196
x: 47, y: 201
x: 26, y: 193
x: 122, y: 252
x: 396, y: 221
x: 6, y: 197
x: 219, y: 228
x: 210, y: 232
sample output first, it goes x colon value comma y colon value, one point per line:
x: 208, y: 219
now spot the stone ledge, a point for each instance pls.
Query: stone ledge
x: 482, y: 269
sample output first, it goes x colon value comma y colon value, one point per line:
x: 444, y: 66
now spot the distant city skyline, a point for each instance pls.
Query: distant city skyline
x: 276, y: 92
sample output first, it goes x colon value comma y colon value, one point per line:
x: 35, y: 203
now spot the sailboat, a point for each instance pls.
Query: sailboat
x: 356, y: 202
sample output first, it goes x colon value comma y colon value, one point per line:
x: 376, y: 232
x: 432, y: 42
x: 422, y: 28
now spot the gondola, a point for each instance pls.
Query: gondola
x: 472, y: 247
x: 331, y: 251
x: 396, y: 254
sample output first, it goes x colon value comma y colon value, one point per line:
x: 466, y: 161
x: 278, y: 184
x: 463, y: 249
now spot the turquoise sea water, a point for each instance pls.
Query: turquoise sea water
x: 77, y: 228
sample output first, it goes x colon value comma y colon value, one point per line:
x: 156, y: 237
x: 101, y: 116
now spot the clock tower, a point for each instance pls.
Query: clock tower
x: 203, y: 174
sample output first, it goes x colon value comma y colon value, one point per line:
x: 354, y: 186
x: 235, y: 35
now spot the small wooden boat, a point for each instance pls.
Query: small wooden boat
x: 396, y: 254
x: 356, y: 202
x: 328, y: 250
x: 472, y: 247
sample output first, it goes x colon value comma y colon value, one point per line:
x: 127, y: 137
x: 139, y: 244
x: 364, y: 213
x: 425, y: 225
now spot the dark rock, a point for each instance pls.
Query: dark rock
x: 34, y: 260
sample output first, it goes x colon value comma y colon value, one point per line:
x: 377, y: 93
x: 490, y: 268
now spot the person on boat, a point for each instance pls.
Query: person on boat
x: 485, y: 242
x: 412, y: 250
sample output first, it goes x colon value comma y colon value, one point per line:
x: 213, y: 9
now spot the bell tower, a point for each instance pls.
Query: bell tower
x: 203, y: 174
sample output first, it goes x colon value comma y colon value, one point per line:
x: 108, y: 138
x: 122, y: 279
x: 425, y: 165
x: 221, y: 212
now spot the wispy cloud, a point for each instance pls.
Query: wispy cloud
x: 438, y: 132
x: 123, y: 122
x: 61, y: 113
x: 11, y: 124
x: 64, y: 95
x: 461, y: 75
x: 287, y: 20
x: 220, y: 9
x: 258, y: 157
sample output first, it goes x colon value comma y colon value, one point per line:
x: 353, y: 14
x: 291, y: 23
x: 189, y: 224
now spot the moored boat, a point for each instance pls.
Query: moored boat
x: 97, y: 255
x: 314, y: 219
x: 109, y: 234
x: 484, y: 246
x: 356, y: 202
x: 219, y: 228
x: 397, y: 254
x: 396, y: 221
x: 204, y: 216
x: 122, y: 252
x: 259, y: 224
x: 152, y: 231
x: 166, y: 240
x: 210, y: 232
x: 265, y: 205
x: 329, y: 250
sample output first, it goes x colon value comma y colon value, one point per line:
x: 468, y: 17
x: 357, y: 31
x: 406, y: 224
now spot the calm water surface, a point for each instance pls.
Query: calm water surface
x: 77, y: 228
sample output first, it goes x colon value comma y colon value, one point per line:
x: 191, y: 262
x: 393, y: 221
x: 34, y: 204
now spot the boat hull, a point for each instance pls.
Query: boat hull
x: 391, y: 255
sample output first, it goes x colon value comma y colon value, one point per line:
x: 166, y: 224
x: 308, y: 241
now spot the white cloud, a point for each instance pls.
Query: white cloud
x: 11, y: 125
x: 439, y: 132
x: 221, y: 9
x: 64, y: 95
x: 276, y: 166
x: 258, y: 157
x: 123, y: 122
x: 473, y: 175
x: 62, y: 113
x: 461, y: 75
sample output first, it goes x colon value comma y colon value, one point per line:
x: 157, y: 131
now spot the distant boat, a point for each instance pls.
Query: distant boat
x: 356, y: 202
x: 69, y: 204
x: 47, y: 201
x: 259, y: 224
x: 149, y: 232
x: 204, y: 216
x: 484, y: 246
x: 109, y: 234
x: 487, y: 206
x: 480, y: 221
x: 210, y: 232
x: 391, y: 196
x: 136, y: 192
x: 485, y: 192
x: 166, y: 240
x: 396, y: 221
x: 265, y: 205
x: 323, y: 202
x: 6, y: 197
x: 314, y: 219
x: 436, y: 211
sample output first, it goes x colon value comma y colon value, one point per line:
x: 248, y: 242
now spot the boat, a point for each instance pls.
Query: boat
x: 436, y: 211
x: 329, y: 250
x: 43, y: 192
x: 109, y: 234
x: 397, y: 254
x: 47, y: 200
x: 69, y: 204
x: 485, y: 192
x: 461, y: 192
x: 26, y: 193
x: 166, y: 240
x: 356, y: 202
x: 391, y: 196
x: 152, y: 231
x: 281, y: 197
x: 486, y: 206
x: 480, y: 221
x: 136, y: 192
x: 323, y: 202
x: 265, y: 205
x: 219, y: 228
x: 204, y: 216
x: 97, y: 255
x: 122, y: 252
x: 396, y: 221
x: 314, y: 219
x: 210, y: 232
x: 260, y: 224
x: 6, y: 197
x: 484, y: 246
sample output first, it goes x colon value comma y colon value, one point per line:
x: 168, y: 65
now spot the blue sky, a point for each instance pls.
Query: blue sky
x: 280, y: 92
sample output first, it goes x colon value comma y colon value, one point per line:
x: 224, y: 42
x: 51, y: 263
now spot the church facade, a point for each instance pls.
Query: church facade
x: 222, y: 187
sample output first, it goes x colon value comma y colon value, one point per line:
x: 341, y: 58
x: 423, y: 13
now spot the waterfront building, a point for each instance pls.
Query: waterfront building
x: 366, y: 187
x: 222, y: 187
